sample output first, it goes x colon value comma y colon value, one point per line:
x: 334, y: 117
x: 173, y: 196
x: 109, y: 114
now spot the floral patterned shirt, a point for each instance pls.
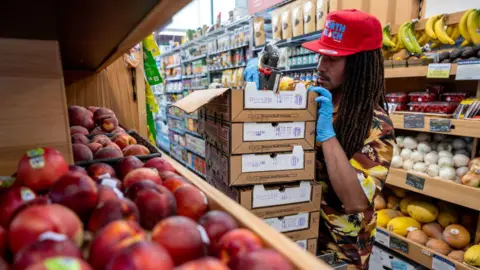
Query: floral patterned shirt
x: 351, y: 237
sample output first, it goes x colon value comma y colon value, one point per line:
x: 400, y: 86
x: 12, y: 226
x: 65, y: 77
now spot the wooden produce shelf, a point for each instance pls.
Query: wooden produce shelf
x: 218, y: 201
x: 410, y: 72
x: 415, y: 252
x: 444, y: 190
x: 469, y: 128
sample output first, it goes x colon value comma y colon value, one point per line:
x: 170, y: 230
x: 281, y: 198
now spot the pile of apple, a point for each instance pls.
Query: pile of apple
x: 99, y: 121
x: 141, y: 216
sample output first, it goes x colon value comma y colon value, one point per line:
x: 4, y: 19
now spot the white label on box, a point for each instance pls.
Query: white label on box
x: 468, y: 70
x: 273, y: 131
x: 382, y: 238
x: 271, y: 197
x: 302, y: 244
x: 440, y: 263
x: 267, y: 99
x: 289, y: 223
x: 273, y: 162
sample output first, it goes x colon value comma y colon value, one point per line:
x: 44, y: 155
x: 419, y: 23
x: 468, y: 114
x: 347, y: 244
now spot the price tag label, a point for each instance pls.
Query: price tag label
x: 382, y: 238
x: 439, y: 71
x: 440, y: 263
x: 398, y: 244
x: 440, y: 125
x: 399, y: 265
x: 468, y: 70
x: 414, y: 121
x: 415, y: 181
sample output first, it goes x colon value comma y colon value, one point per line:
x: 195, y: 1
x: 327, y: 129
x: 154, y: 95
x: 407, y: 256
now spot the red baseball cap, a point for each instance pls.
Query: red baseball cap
x: 347, y: 32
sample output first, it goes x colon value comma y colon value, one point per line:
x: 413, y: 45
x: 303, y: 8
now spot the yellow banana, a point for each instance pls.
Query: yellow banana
x: 386, y: 40
x: 472, y: 26
x: 435, y: 44
x: 440, y: 32
x: 455, y: 33
x: 463, y: 26
x: 399, y: 42
x: 409, y: 34
x: 424, y: 39
x: 406, y: 35
x: 429, y: 27
x: 465, y: 43
x: 449, y: 30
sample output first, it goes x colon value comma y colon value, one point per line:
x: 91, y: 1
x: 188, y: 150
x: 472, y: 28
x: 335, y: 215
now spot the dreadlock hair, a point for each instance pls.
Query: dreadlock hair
x: 363, y: 90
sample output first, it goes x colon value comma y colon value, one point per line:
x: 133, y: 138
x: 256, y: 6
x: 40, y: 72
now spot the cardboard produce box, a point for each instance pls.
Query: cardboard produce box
x: 253, y: 169
x: 309, y: 245
x: 242, y: 138
x: 297, y: 227
x: 252, y: 105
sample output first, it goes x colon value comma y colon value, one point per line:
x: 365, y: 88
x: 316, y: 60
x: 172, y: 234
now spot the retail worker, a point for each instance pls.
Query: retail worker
x: 354, y: 135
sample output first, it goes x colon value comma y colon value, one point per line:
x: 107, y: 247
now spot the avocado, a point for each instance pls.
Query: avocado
x: 468, y: 52
x: 476, y: 48
x: 456, y: 53
x: 456, y: 61
x: 445, y: 61
x: 444, y: 55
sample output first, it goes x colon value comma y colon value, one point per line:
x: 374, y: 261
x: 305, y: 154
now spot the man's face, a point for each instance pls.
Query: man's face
x: 331, y: 71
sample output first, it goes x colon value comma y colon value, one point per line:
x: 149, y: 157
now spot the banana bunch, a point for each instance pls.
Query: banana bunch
x: 407, y: 37
x: 387, y: 39
x: 439, y: 33
x: 469, y: 23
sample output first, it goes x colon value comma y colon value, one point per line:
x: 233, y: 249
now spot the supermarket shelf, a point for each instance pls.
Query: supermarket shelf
x: 195, y: 170
x: 172, y: 66
x: 294, y: 41
x: 225, y: 68
x: 177, y: 145
x: 173, y: 79
x: 190, y: 116
x: 194, y: 151
x: 300, y: 68
x: 444, y: 190
x: 194, y: 76
x: 410, y: 72
x: 178, y: 159
x: 174, y: 117
x: 415, y: 252
x: 181, y: 132
x: 175, y: 92
x: 459, y: 127
x: 226, y: 50
x: 193, y: 133
x: 185, y: 61
x: 196, y: 88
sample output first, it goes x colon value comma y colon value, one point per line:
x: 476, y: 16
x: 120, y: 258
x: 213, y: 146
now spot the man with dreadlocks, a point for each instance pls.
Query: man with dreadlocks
x: 354, y: 134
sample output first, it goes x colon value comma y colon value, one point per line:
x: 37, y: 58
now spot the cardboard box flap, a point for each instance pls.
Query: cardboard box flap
x: 198, y: 98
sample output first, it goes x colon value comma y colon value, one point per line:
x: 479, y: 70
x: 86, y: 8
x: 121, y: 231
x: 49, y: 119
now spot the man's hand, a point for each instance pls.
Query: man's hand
x: 325, y: 114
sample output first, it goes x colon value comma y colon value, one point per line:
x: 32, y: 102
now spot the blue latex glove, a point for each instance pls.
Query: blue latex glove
x: 325, y: 114
x: 251, y: 72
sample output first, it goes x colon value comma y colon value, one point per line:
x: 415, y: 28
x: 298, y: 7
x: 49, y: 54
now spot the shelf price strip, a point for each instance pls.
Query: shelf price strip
x: 439, y: 263
x: 414, y: 121
x: 468, y: 70
x: 415, y: 181
x: 440, y: 125
x: 439, y: 71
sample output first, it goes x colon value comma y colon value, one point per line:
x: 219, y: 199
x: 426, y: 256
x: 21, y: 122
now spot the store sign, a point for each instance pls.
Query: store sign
x: 440, y: 125
x: 415, y: 181
x: 468, y: 70
x: 439, y: 71
x: 398, y: 244
x: 413, y: 121
x: 255, y: 6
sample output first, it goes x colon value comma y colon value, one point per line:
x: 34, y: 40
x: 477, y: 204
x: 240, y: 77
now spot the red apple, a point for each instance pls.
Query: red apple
x: 98, y: 171
x: 11, y: 201
x: 106, y: 193
x: 39, y: 168
x: 237, y: 243
x: 191, y: 202
x: 142, y: 255
x: 128, y: 164
x: 141, y: 174
x: 160, y: 164
x: 216, y: 224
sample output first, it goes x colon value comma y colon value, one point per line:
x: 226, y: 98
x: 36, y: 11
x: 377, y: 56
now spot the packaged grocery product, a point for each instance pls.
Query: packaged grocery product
x: 297, y: 18
x: 286, y: 84
x: 276, y: 24
x: 259, y: 28
x: 234, y: 78
x: 396, y: 107
x: 322, y: 10
x: 309, y: 9
x: 416, y: 107
x: 454, y: 97
x: 397, y: 97
x: 240, y: 77
x: 440, y: 107
x: 422, y: 96
x: 286, y: 23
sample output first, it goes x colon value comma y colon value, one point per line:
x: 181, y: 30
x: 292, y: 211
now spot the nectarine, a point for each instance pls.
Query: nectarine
x: 265, y: 259
x: 81, y: 152
x: 11, y: 200
x: 106, y: 193
x: 101, y: 139
x: 160, y: 164
x: 142, y: 255
x: 181, y: 238
x: 216, y: 224
x: 112, y: 210
x: 39, y: 168
x: 237, y: 243
x: 172, y: 183
x: 97, y: 131
x: 3, y: 241
x: 123, y: 140
x: 78, y: 116
x: 108, y: 152
x: 98, y: 171
x: 102, y: 113
x: 191, y: 202
x: 135, y: 150
x: 109, y: 124
x: 127, y: 164
x: 207, y: 263
x: 94, y: 147
x: 93, y: 109
x: 140, y: 175
x: 80, y: 138
x: 78, y: 129
x: 73, y: 168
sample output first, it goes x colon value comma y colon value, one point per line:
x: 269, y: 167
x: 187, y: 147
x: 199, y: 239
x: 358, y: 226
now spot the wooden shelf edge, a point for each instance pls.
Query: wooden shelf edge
x: 410, y: 72
x: 468, y: 128
x: 421, y: 254
x: 444, y: 190
x: 299, y: 258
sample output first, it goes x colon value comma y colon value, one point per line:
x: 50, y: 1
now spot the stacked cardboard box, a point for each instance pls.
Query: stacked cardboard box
x: 260, y: 152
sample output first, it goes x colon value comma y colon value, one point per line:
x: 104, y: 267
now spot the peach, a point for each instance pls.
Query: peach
x: 181, y: 238
x: 141, y: 255
x: 39, y: 168
x: 135, y: 150
x: 154, y: 204
x: 30, y: 223
x: 237, y: 243
x: 207, y: 263
x: 39, y: 200
x: 172, y: 183
x: 261, y: 259
x: 77, y: 192
x: 127, y: 164
x: 216, y: 224
x: 73, y: 168
x: 106, y: 193
x: 94, y: 147
x: 112, y: 145
x: 93, y: 109
x: 3, y: 241
x: 78, y: 130
x: 12, y: 200
x: 80, y: 138
x: 78, y: 116
x: 81, y: 152
x: 97, y: 131
x: 118, y: 130
x: 132, y: 190
x: 102, y: 113
x: 112, y: 210
x: 109, y: 124
x: 60, y: 262
x: 3, y: 264
x: 160, y: 164
x: 191, y: 202
x: 123, y: 140
x: 108, y: 152
x: 98, y: 171
x: 141, y: 174
x: 101, y: 139
x: 44, y: 249
x: 111, y: 239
